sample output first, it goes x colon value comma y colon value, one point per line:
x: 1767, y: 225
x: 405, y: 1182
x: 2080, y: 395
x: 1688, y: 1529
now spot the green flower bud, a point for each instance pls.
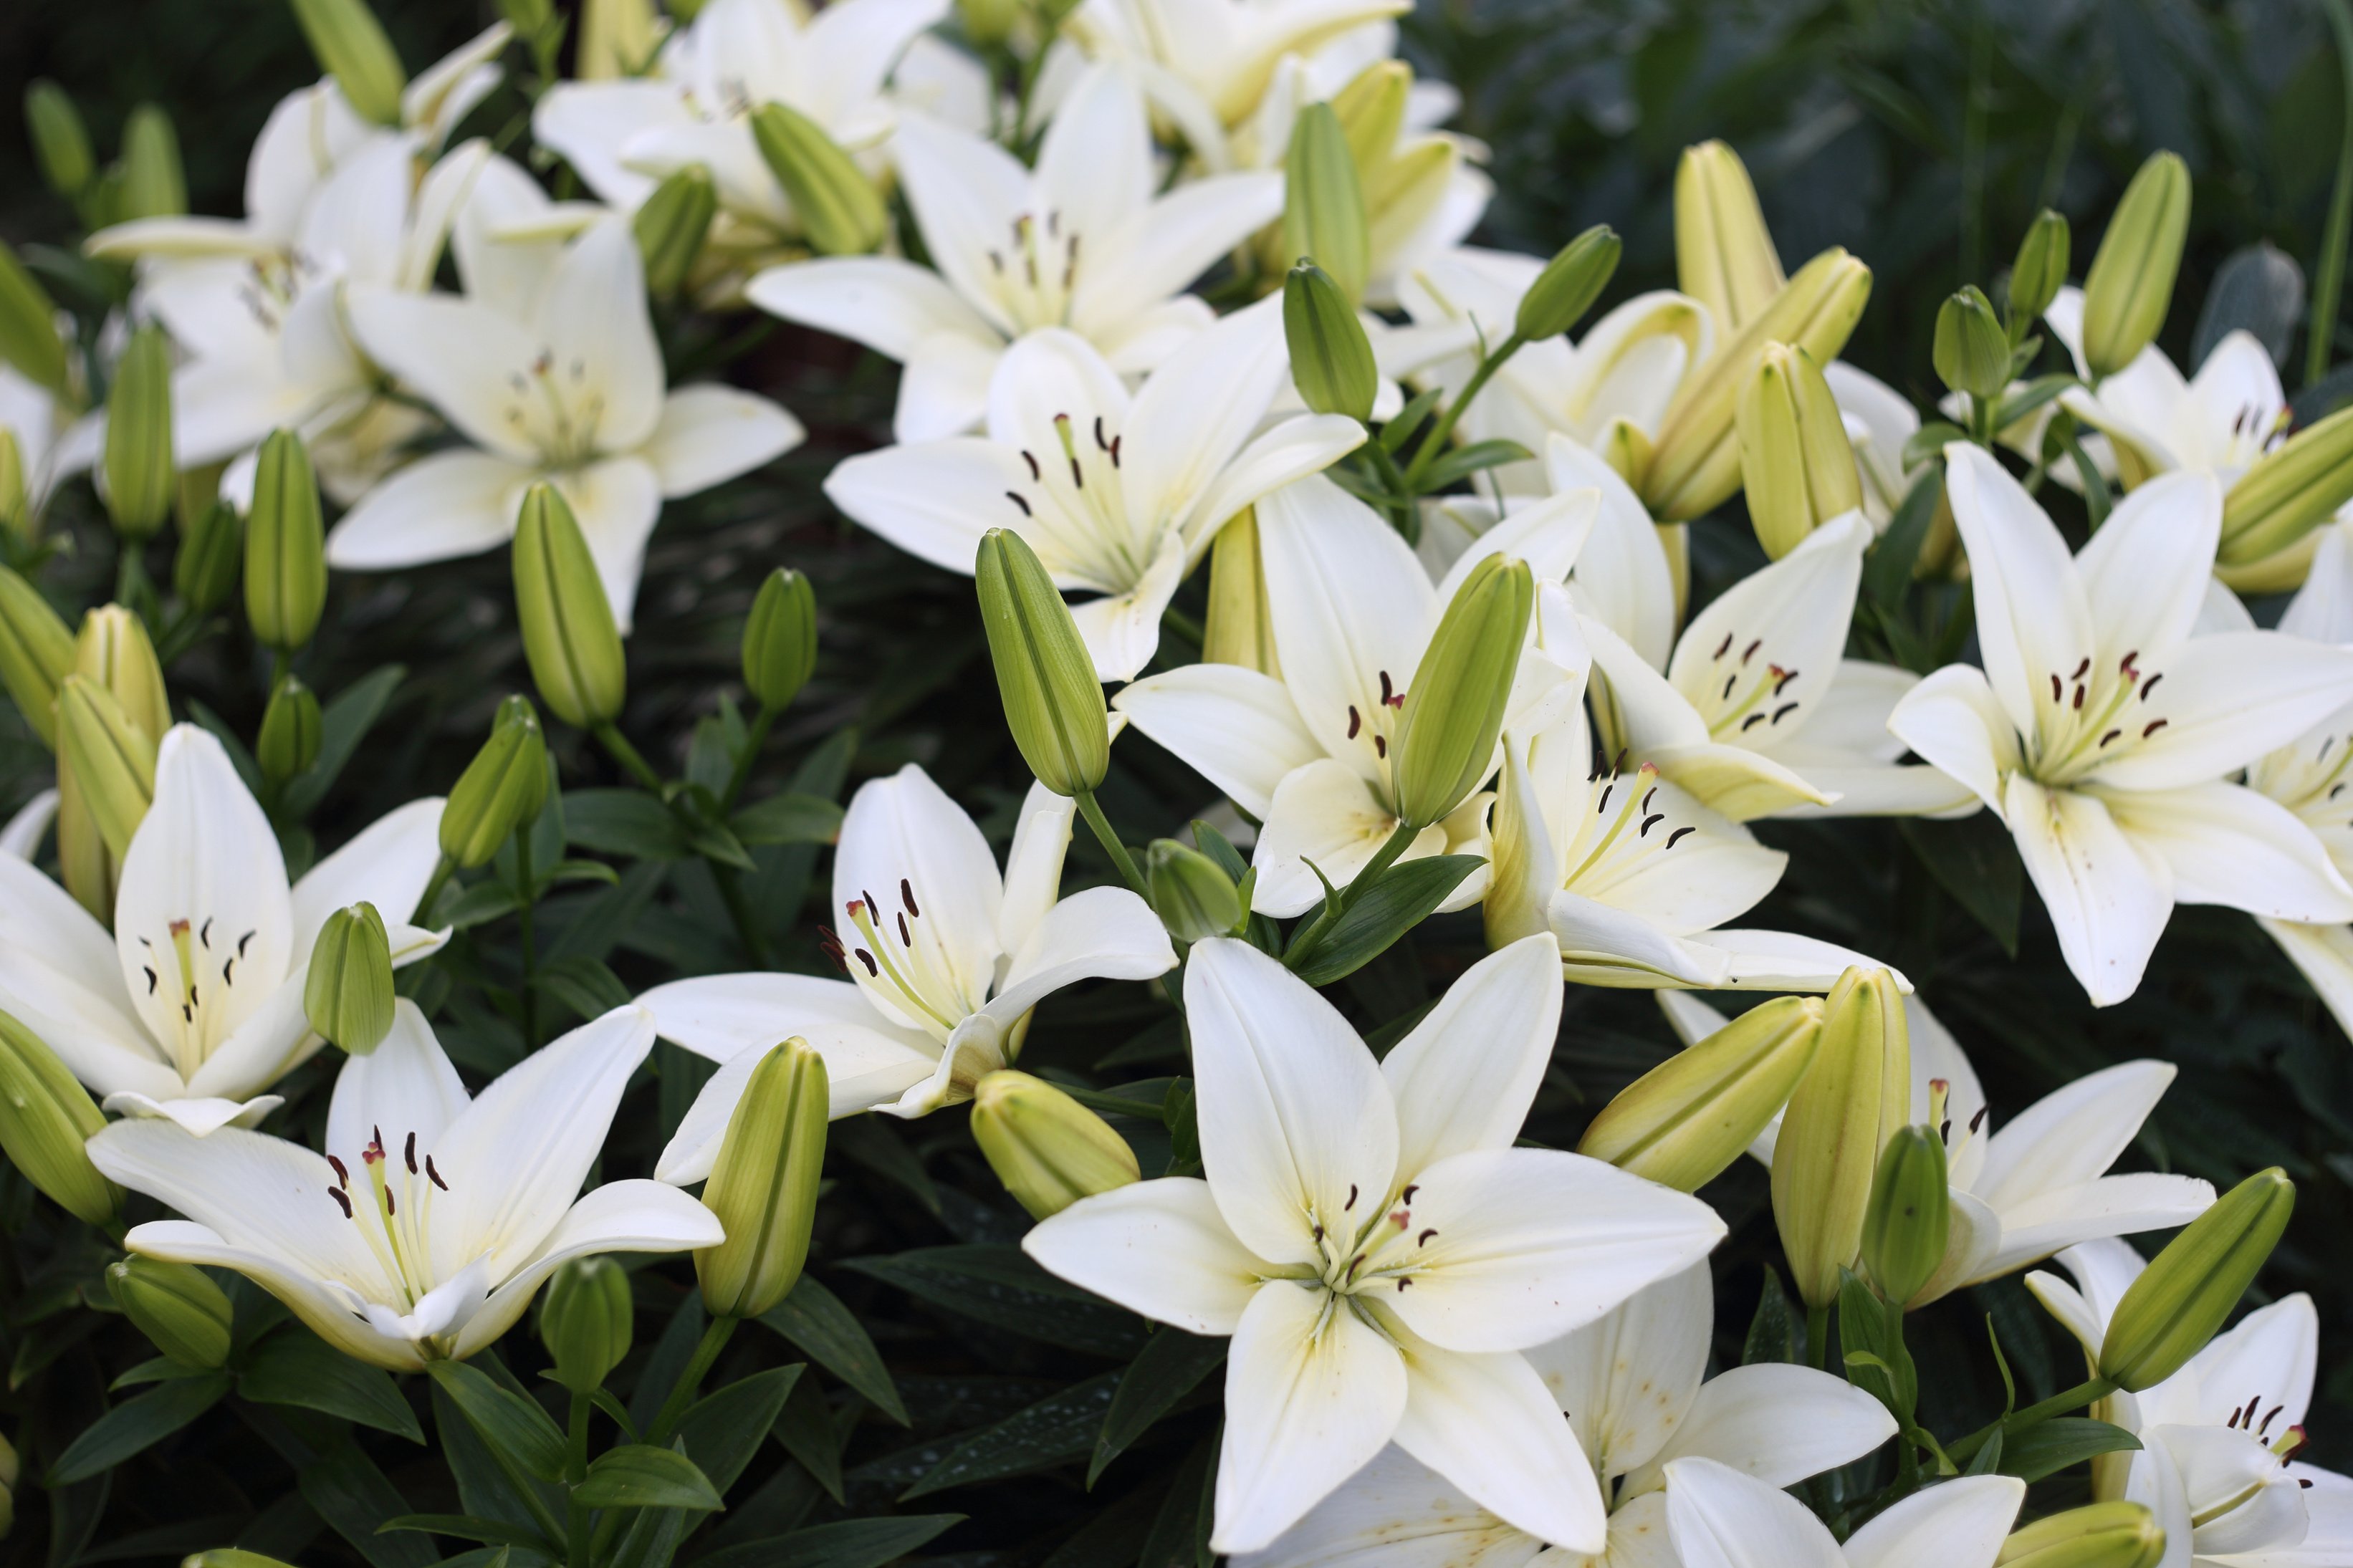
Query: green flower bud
x: 569, y: 635
x: 289, y: 742
x: 671, y: 224
x: 140, y: 477
x: 2183, y: 1296
x: 1568, y: 285
x: 1796, y: 461
x: 2040, y: 271
x: 2103, y: 1536
x: 1048, y: 1148
x: 618, y: 38
x: 152, y: 183
x: 1239, y: 626
x: 988, y: 23
x: 763, y: 1188
x: 1911, y: 1214
x: 839, y: 211
x: 527, y: 16
x: 45, y: 1117
x: 204, y: 572
x: 1681, y: 1123
x: 1724, y: 253
x: 108, y: 763
x: 2290, y: 490
x: 1323, y: 202
x: 28, y: 326
x: 350, y: 46
x: 2130, y: 286
x: 114, y: 650
x: 780, y: 639
x: 347, y: 994
x: 1190, y: 892
x: 1971, y: 349
x: 60, y: 140
x: 285, y: 546
x: 176, y: 1305
x: 1331, y: 358
x: 37, y: 652
x: 1053, y: 700
x: 1845, y: 1109
x: 1445, y: 740
x: 586, y: 1320
x: 230, y: 1557
x: 502, y: 789
x: 15, y: 499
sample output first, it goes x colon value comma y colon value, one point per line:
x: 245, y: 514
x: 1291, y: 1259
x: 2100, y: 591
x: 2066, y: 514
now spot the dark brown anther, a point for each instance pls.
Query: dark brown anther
x: 907, y: 897
x: 1099, y: 435
x: 1117, y: 439
x: 1977, y: 1120
x: 408, y: 1153
x: 433, y: 1175
x: 1725, y: 695
x: 342, y: 1175
x: 2110, y: 736
x: 1783, y: 711
x: 872, y: 968
x: 1750, y: 651
x: 2055, y: 692
x: 1035, y: 472
x: 341, y: 1201
x: 2082, y: 668
x: 205, y: 935
x: 1352, y: 1198
x: 1385, y: 688
x: 1604, y: 806
x: 2152, y: 727
x: 2078, y: 703
x: 1355, y: 721
x: 1648, y: 823
x: 1015, y: 497
x: 1751, y: 723
x: 1404, y: 1281
x: 1381, y: 747
x: 1647, y: 795
x: 1423, y: 1239
x: 1410, y: 1188
x: 2150, y: 685
x: 1676, y: 835
x: 388, y: 1205
x: 1078, y: 475
x: 1723, y: 648
x: 905, y: 939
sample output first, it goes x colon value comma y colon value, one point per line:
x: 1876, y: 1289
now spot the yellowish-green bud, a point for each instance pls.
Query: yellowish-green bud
x: 285, y: 546
x: 140, y: 477
x: 1053, y: 699
x: 350, y: 46
x: 45, y: 1118
x: 1681, y: 1123
x: 1796, y: 461
x: 502, y: 789
x: 1724, y: 253
x: 587, y: 1319
x: 230, y: 1557
x: 1568, y: 285
x: 1844, y: 1109
x: 37, y: 652
x: 780, y: 638
x: 152, y: 183
x: 204, y: 572
x: 988, y: 23
x: 1905, y: 1231
x: 763, y: 1188
x: 569, y: 635
x: 16, y: 499
x: 2183, y: 1296
x: 109, y: 763
x: 2040, y: 271
x: 290, y: 726
x: 1323, y: 202
x: 1190, y: 892
x: 671, y: 225
x: 1972, y: 349
x: 28, y: 326
x: 2103, y: 1536
x: 1239, y: 626
x: 111, y: 652
x: 2130, y: 286
x: 2290, y: 490
x: 176, y: 1305
x: 839, y: 211
x: 1445, y: 740
x: 1048, y: 1148
x: 60, y: 140
x: 1371, y: 109
x: 527, y: 16
x: 114, y: 650
x: 1331, y: 358
x: 618, y: 38
x: 347, y: 994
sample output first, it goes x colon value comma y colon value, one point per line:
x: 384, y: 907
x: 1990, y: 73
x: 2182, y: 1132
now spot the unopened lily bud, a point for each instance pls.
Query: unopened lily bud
x: 176, y: 1305
x: 139, y: 473
x: 348, y: 993
x: 109, y: 763
x: 1972, y: 349
x: 2130, y: 286
x: 1324, y: 201
x: 586, y: 1320
x: 527, y: 16
x: 1568, y: 285
x: 45, y: 1118
x: 153, y: 184
x: 1053, y: 700
x: 1796, y: 461
x: 569, y: 635
x: 289, y: 739
x: 1904, y: 1230
x: 2040, y: 271
x: 1048, y: 1148
x: 671, y: 225
x: 28, y: 326
x: 763, y: 1188
x: 1190, y: 892
x: 2290, y: 490
x: 37, y: 652
x: 1681, y: 1123
x: 60, y: 140
x: 285, y: 546
x: 1239, y: 626
x: 617, y: 38
x: 16, y: 499
x: 2183, y: 1296
x: 840, y: 212
x: 780, y: 638
x: 1444, y: 745
x: 204, y: 572
x: 502, y: 789
x: 230, y: 1557
x: 350, y: 46
x: 1331, y: 358
x: 1724, y: 253
x: 988, y: 23
x: 2103, y: 1536
x: 1371, y: 107
x: 114, y: 650
x: 1844, y: 1109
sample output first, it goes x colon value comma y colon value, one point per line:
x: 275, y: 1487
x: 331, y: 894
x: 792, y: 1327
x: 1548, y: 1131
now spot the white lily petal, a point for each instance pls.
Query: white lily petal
x: 2228, y: 844
x: 1161, y: 250
x: 1235, y: 727
x: 909, y: 849
x: 1488, y: 1425
x: 1953, y: 720
x: 406, y: 1083
x: 438, y: 508
x: 2071, y: 1135
x: 1628, y: 1379
x: 934, y: 499
x: 2108, y: 898
x: 866, y: 1065
x: 1960, y: 1522
x: 2032, y: 615
x: 888, y: 304
x: 1396, y: 1512
x: 1467, y: 1074
x: 323, y: 1309
x: 1719, y: 1518
x: 21, y: 838
x: 1099, y: 934
x: 388, y: 865
x: 1160, y: 1248
x: 620, y: 1217
x: 2226, y: 700
x: 2144, y: 572
x: 2112, y: 1206
x: 1323, y: 817
x: 1779, y: 1424
x: 709, y: 435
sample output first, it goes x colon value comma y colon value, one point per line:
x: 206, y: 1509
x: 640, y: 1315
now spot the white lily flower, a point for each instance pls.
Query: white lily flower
x: 1630, y: 1384
x: 193, y: 1006
x: 1307, y: 752
x: 21, y: 838
x: 51, y: 447
x: 2219, y: 1439
x: 1081, y: 242
x: 2101, y: 730
x: 945, y: 955
x: 571, y: 394
x: 1719, y: 1518
x: 2218, y: 422
x: 1120, y: 496
x: 1880, y: 421
x: 423, y: 1229
x: 1379, y: 1251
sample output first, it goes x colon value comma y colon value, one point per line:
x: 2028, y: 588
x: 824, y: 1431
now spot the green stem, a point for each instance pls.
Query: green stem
x: 1818, y: 1337
x: 632, y: 760
x: 2089, y: 1392
x: 682, y: 1396
x: 527, y: 893
x: 443, y: 869
x: 1435, y: 443
x: 576, y: 1470
x: 1403, y: 515
x: 525, y: 1487
x: 1119, y: 854
x: 2328, y: 283
x: 1383, y: 859
x: 130, y: 572
x: 730, y: 882
x: 731, y: 888
x: 762, y: 722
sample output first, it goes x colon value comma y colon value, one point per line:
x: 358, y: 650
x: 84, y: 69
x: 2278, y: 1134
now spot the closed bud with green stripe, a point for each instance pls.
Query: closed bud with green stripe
x: 1453, y: 713
x: 763, y: 1186
x: 2186, y: 1293
x: 175, y: 1305
x: 1324, y: 201
x: 1684, y: 1122
x: 1569, y: 284
x: 140, y: 477
x: 569, y: 637
x: 285, y: 546
x: 1844, y: 1111
x: 1048, y: 1148
x: 839, y: 211
x: 780, y: 638
x: 1053, y: 699
x: 2117, y: 1534
x: 2130, y: 289
x: 45, y: 1118
x: 502, y: 789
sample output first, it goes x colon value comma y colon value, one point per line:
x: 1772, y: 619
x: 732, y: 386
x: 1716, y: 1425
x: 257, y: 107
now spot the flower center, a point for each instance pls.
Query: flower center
x: 1037, y: 274
x: 1075, y: 512
x: 196, y: 977
x: 555, y: 409
x: 1380, y: 1252
x: 2312, y: 785
x: 1611, y: 846
x: 899, y: 961
x: 2092, y: 717
x: 401, y: 1202
x: 1743, y: 695
x: 2254, y: 435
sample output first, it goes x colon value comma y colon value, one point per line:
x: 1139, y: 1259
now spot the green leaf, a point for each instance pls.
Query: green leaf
x: 587, y: 985
x: 295, y: 1366
x: 1405, y: 895
x: 1773, y: 1331
x: 789, y: 819
x: 2016, y: 405
x: 1974, y: 860
x: 1928, y: 442
x: 1000, y: 1286
x: 1170, y: 1366
x: 516, y: 1427
x: 343, y: 1486
x: 1399, y: 430
x: 806, y: 1427
x: 466, y: 1526
x: 1464, y: 462
x: 625, y: 822
x: 1987, y: 1460
x: 1887, y: 575
x: 343, y: 724
x: 136, y: 1425
x: 713, y: 842
x: 1060, y: 1427
x: 638, y: 1475
x: 724, y: 1430
x: 2050, y: 1446
x: 851, y: 1543
x: 464, y: 907
x: 1870, y: 1339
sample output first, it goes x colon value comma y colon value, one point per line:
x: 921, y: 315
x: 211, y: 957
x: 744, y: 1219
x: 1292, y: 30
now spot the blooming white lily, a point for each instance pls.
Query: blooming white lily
x: 572, y: 394
x: 1120, y: 496
x: 1379, y: 1251
x: 194, y: 1006
x: 1719, y: 1518
x: 423, y: 1230
x: 2219, y: 1439
x: 1629, y: 1382
x: 2218, y: 422
x: 22, y: 837
x: 2101, y: 729
x: 945, y: 957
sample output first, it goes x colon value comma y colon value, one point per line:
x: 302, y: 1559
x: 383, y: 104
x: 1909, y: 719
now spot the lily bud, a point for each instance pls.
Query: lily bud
x: 1724, y: 253
x: 153, y: 184
x: 347, y: 994
x: 176, y: 1305
x: 2130, y: 286
x: 618, y: 38
x: 139, y: 472
x: 112, y: 654
x: 108, y: 763
x: 1842, y: 1115
x: 37, y: 652
x: 1569, y: 284
x: 840, y: 212
x: 1239, y: 626
x: 527, y: 16
x: 60, y: 140
x: 349, y: 44
x: 1681, y: 1123
x: 1972, y: 349
x: 586, y: 1320
x: 2290, y: 490
x: 1796, y: 461
x: 1190, y: 892
x: 289, y: 738
x: 45, y: 1118
x: 204, y: 572
x: 1048, y: 1148
x: 1445, y: 740
x: 780, y: 638
x: 1053, y: 701
x: 285, y: 546
x: 15, y: 499
x: 502, y: 789
x: 988, y: 23
x: 1331, y: 358
x: 2103, y: 1536
x: 569, y: 635
x: 114, y: 650
x: 28, y: 326
x: 671, y: 225
x: 763, y: 1188
x: 2040, y: 271
x: 230, y: 1557
x: 2182, y: 1297
x: 1911, y: 1214
x: 1323, y: 202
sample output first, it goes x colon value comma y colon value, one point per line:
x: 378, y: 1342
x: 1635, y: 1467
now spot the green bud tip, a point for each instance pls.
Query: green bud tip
x: 569, y: 635
x: 2040, y: 271
x: 60, y: 140
x: 1324, y: 201
x: 140, y: 477
x: 1045, y: 677
x: 46, y: 1119
x: 1684, y: 1122
x: 348, y: 991
x: 1971, y: 349
x: 1331, y: 358
x: 1724, y: 253
x: 1048, y: 1148
x: 292, y: 729
x: 28, y: 327
x: 285, y: 546
x: 780, y: 639
x: 2183, y: 1297
x: 1190, y: 892
x: 763, y: 1185
x: 501, y: 790
x: 671, y: 225
x: 1453, y: 709
x: 106, y: 763
x: 176, y: 1305
x: 351, y: 46
x: 2130, y: 289
x: 1910, y: 1216
x: 586, y: 1320
x: 152, y: 183
x: 1569, y: 284
x: 839, y: 211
